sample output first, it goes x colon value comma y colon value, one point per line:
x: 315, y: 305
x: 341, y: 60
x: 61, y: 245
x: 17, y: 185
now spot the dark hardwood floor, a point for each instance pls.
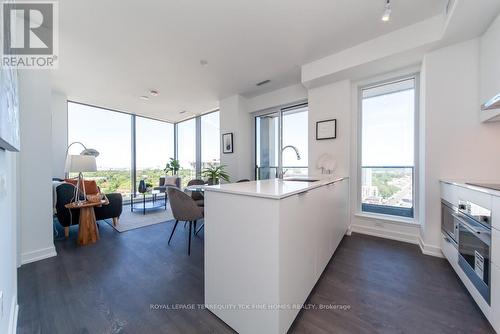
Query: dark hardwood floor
x: 385, y: 287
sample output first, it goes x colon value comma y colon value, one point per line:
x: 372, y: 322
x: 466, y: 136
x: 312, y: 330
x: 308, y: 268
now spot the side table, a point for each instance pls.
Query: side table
x: 87, y: 229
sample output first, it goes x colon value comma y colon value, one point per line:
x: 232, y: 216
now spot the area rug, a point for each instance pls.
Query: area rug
x: 133, y: 220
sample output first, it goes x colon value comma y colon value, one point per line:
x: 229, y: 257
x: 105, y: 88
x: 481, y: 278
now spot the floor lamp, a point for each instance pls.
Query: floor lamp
x: 80, y: 164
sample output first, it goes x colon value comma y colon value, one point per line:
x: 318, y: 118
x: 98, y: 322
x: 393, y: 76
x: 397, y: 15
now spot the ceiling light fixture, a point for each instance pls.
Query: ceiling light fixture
x: 154, y: 92
x: 144, y: 97
x: 182, y: 112
x: 387, y: 11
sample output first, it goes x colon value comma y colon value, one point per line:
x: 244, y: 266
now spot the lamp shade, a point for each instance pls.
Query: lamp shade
x: 80, y: 163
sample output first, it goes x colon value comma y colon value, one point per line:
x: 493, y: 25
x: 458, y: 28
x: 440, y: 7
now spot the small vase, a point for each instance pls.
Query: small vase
x: 142, y: 187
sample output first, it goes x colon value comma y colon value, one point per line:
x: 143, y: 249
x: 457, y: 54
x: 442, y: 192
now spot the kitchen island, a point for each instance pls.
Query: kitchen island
x: 266, y: 244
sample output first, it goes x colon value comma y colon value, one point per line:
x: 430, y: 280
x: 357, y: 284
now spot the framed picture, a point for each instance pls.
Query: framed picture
x: 326, y: 129
x: 227, y: 143
x: 9, y: 110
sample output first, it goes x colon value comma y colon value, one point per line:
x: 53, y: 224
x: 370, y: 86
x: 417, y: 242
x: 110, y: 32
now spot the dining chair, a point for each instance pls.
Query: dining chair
x: 196, y: 195
x: 184, y: 208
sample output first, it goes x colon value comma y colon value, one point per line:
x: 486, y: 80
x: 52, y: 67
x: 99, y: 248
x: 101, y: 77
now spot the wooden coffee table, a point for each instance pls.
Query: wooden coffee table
x: 87, y: 229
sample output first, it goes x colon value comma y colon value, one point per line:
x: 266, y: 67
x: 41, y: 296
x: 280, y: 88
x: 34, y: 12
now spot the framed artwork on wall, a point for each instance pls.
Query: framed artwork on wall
x: 326, y: 129
x: 227, y: 143
x: 9, y: 110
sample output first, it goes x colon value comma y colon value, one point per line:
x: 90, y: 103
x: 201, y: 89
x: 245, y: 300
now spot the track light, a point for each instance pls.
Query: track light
x: 387, y: 11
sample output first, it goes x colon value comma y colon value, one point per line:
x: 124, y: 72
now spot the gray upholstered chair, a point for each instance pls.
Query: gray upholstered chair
x: 168, y: 181
x: 197, y: 196
x: 184, y: 208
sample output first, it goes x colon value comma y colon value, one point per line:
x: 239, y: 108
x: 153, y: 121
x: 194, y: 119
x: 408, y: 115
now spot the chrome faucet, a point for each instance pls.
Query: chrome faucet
x: 281, y: 174
x: 294, y: 148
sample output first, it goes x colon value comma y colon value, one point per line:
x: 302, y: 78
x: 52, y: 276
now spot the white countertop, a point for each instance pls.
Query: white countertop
x: 465, y: 184
x: 274, y: 188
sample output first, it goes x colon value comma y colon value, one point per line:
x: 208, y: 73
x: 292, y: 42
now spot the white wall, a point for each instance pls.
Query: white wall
x: 8, y: 239
x: 59, y: 133
x: 235, y: 118
x: 331, y: 101
x: 35, y: 166
x: 457, y: 145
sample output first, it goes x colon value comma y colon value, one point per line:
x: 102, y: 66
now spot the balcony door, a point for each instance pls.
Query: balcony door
x: 281, y: 142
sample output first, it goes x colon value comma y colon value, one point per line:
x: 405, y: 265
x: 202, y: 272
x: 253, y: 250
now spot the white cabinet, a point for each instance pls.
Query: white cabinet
x: 476, y: 197
x: 449, y: 250
x: 495, y: 212
x: 495, y: 298
x: 495, y: 246
x: 490, y: 69
x: 449, y: 193
x: 271, y: 252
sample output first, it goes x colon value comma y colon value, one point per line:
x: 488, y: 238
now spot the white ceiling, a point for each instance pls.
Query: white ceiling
x: 112, y: 52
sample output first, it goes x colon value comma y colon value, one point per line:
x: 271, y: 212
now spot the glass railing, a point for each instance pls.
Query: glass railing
x: 271, y: 172
x: 388, y: 190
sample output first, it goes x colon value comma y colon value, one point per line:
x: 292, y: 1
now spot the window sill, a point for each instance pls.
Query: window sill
x: 388, y: 219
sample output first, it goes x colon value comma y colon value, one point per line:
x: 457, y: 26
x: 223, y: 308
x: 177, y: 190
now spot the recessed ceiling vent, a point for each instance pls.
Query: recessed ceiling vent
x: 263, y: 82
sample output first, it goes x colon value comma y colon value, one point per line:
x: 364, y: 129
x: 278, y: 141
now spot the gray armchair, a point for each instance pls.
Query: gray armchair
x: 184, y: 208
x: 169, y: 181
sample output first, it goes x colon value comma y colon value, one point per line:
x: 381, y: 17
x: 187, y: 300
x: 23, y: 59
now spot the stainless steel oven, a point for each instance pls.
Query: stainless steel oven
x: 474, y: 245
x: 449, y: 224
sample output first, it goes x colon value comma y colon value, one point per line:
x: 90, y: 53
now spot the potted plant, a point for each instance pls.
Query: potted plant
x: 215, y: 173
x: 172, y: 166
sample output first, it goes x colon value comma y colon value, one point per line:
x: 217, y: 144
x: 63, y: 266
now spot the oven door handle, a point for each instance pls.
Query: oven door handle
x: 466, y: 225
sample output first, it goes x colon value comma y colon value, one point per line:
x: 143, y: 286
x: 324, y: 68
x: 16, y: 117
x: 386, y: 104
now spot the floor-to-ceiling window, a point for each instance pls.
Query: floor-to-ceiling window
x: 134, y: 148
x: 210, y: 140
x: 154, y: 148
x: 186, y: 149
x: 281, y: 142
x: 110, y: 134
x: 388, y: 147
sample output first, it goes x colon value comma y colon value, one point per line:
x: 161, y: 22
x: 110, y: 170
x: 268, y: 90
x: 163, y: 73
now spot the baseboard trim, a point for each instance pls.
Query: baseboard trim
x: 384, y: 233
x: 415, y: 239
x: 38, y: 255
x: 430, y: 249
x: 14, y: 311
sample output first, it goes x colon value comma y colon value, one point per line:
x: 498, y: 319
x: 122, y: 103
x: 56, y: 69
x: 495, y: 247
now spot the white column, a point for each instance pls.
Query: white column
x: 35, y: 166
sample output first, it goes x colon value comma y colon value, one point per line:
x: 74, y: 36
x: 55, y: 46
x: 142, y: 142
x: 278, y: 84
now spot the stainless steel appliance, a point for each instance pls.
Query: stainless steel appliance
x: 449, y: 225
x: 474, y: 245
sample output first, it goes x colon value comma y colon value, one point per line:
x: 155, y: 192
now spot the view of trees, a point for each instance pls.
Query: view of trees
x: 112, y: 181
x: 384, y: 182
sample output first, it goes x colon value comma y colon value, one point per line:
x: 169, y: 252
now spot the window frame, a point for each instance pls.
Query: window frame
x: 416, y: 146
x: 198, y: 139
x: 133, y: 139
x: 133, y: 130
x: 268, y: 111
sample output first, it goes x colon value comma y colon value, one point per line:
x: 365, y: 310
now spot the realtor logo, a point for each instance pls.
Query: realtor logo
x: 30, y: 34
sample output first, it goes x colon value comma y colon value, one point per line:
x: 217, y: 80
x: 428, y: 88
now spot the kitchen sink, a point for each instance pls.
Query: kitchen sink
x: 301, y: 180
